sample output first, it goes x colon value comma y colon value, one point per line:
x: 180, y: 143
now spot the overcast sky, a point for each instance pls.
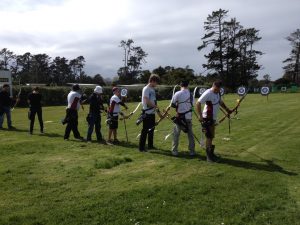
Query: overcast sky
x: 168, y: 30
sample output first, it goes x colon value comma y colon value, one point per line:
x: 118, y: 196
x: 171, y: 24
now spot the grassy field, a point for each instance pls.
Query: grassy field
x: 46, y: 180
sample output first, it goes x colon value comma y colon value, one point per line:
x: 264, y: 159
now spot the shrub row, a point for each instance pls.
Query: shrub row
x: 53, y: 96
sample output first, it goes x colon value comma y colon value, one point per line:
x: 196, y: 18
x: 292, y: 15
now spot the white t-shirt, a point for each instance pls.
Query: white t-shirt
x: 74, y: 100
x: 114, y: 105
x: 148, y: 92
x: 215, y: 98
x: 183, y: 101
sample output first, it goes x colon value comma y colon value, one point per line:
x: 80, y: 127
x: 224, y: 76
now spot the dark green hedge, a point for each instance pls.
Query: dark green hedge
x: 53, y: 96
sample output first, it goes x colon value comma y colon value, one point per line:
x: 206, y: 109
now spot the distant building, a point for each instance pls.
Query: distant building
x: 5, y: 78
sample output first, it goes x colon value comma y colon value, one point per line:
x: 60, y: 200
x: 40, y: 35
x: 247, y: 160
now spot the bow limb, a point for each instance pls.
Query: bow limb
x: 173, y: 93
x: 134, y: 111
x: 165, y: 111
x: 163, y: 116
x: 227, y: 115
x: 194, y: 93
x: 18, y: 95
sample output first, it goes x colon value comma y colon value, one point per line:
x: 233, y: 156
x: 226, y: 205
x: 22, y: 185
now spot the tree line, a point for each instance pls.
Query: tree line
x: 40, y: 68
x: 230, y: 55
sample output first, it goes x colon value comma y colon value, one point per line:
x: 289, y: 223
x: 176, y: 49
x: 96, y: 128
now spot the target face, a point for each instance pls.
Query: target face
x: 124, y: 92
x: 222, y: 91
x: 241, y: 91
x: 265, y: 90
x: 201, y: 91
x: 283, y: 89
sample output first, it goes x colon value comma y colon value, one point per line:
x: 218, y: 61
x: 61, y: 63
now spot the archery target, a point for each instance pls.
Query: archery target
x: 265, y: 90
x: 201, y: 91
x: 283, y: 89
x: 241, y: 91
x: 222, y: 91
x: 124, y: 92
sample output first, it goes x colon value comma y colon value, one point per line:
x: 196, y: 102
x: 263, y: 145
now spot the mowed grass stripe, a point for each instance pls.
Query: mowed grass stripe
x: 45, y: 180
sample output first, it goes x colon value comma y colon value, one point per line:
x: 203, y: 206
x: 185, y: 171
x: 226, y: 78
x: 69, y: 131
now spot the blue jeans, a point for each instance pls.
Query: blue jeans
x: 5, y: 110
x: 94, y: 121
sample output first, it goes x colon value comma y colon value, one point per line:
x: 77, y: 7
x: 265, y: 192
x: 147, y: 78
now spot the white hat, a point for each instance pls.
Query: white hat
x: 98, y: 90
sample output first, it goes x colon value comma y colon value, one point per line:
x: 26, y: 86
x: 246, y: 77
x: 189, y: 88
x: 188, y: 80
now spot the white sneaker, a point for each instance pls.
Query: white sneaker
x: 174, y: 153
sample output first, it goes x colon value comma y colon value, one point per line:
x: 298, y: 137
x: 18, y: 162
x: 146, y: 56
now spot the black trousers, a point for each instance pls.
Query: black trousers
x: 72, y: 125
x: 94, y: 120
x: 148, y: 123
x: 33, y: 112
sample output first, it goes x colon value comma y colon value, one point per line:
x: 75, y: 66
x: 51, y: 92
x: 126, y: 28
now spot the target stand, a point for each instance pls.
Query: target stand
x: 265, y: 91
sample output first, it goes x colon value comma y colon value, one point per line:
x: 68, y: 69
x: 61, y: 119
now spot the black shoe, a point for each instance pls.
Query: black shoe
x: 79, y: 138
x: 209, y: 156
x: 152, y: 148
x: 116, y: 141
x: 109, y: 142
x: 102, y: 141
x: 11, y: 128
x: 215, y: 157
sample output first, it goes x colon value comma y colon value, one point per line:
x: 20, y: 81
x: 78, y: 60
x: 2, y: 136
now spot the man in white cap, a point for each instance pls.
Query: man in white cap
x: 94, y: 116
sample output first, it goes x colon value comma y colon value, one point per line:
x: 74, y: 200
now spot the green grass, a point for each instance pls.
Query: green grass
x: 45, y: 180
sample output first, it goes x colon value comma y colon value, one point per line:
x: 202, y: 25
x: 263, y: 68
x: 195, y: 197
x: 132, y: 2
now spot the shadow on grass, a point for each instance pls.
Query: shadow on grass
x: 269, y: 166
x: 127, y: 145
x: 183, y: 155
x: 14, y: 130
x: 51, y: 135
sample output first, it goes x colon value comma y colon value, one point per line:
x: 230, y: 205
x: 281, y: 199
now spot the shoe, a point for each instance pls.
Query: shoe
x: 11, y: 128
x: 116, y: 141
x: 216, y: 158
x: 152, y: 148
x: 209, y: 156
x: 102, y: 142
x: 41, y: 131
x: 79, y: 138
x: 109, y: 142
x: 174, y: 153
x: 30, y: 132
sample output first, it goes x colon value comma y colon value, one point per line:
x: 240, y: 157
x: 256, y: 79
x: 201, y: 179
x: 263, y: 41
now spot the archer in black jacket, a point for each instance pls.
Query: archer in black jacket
x: 35, y: 107
x: 94, y: 116
x: 5, y: 106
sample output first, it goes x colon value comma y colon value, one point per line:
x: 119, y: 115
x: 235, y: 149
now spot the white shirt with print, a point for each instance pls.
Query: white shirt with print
x: 215, y: 98
x: 148, y: 92
x: 74, y: 100
x: 183, y: 101
x: 115, y: 103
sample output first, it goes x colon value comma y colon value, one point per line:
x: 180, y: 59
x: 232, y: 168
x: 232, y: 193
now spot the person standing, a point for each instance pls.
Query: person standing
x: 94, y: 116
x: 35, y: 107
x: 149, y: 108
x: 182, y: 101
x: 212, y: 100
x: 113, y: 115
x: 74, y: 101
x: 5, y: 106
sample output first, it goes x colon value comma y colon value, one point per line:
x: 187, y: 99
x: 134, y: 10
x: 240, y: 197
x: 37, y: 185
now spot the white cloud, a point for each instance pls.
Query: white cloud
x: 168, y: 30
